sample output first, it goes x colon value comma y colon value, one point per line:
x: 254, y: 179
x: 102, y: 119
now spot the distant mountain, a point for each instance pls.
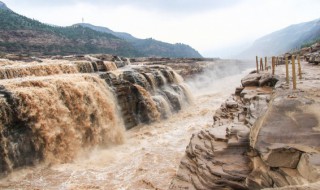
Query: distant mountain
x: 122, y: 35
x: 150, y: 47
x: 285, y: 40
x: 19, y: 34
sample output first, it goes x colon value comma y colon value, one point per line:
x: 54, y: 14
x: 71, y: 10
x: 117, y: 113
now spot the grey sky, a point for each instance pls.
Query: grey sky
x: 214, y: 27
x: 180, y: 6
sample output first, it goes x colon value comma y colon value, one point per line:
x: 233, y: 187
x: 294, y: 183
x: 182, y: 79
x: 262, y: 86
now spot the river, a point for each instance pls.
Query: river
x: 150, y: 155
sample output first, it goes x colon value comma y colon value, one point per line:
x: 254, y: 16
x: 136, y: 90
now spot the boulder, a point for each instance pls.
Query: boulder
x: 251, y: 80
x: 261, y: 79
x: 268, y: 80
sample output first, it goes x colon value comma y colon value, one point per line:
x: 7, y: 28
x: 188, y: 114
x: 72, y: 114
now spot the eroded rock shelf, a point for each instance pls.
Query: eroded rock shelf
x: 266, y: 135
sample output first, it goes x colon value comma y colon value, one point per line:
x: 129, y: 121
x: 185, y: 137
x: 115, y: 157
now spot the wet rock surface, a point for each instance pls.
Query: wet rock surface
x: 261, y: 138
x: 147, y: 93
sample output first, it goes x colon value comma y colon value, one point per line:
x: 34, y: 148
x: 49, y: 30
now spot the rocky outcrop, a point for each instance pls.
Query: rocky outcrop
x: 219, y: 158
x: 286, y: 140
x: 259, y: 139
x: 313, y: 58
x: 263, y: 79
x: 311, y: 54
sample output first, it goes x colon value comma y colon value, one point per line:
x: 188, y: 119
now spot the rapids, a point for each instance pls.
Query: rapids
x: 150, y: 155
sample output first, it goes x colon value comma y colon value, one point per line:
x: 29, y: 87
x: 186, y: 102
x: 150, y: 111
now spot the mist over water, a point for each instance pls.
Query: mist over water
x: 151, y: 153
x: 218, y: 76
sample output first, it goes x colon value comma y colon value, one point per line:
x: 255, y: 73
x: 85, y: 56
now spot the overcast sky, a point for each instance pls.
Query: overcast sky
x: 213, y: 27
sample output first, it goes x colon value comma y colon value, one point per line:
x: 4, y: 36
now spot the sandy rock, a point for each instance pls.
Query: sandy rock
x: 216, y: 158
x: 251, y: 80
x: 261, y: 79
x: 282, y: 157
x: 268, y: 80
x: 231, y: 104
x: 284, y: 140
x: 309, y: 166
x: 238, y: 91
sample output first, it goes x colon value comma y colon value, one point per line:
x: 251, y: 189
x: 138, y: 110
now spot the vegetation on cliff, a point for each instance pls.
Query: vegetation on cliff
x: 19, y: 34
x: 149, y: 46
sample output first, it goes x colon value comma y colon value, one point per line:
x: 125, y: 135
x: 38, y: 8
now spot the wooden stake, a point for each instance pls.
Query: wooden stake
x: 287, y: 71
x: 294, y: 77
x: 261, y: 64
x: 299, y: 68
x: 266, y: 63
x: 257, y: 64
x: 273, y: 65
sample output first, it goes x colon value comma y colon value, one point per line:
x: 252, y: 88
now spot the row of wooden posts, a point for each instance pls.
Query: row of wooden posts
x: 275, y: 63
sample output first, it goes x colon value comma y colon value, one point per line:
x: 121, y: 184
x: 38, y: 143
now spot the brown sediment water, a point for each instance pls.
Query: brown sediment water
x: 63, y: 114
x: 152, y: 112
x: 15, y: 69
x: 150, y: 155
x: 110, y: 66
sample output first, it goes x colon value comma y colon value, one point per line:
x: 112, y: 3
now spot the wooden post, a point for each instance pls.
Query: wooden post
x: 273, y: 65
x: 266, y: 63
x: 277, y: 61
x: 257, y: 64
x: 287, y: 71
x: 299, y: 68
x: 261, y: 64
x: 294, y: 77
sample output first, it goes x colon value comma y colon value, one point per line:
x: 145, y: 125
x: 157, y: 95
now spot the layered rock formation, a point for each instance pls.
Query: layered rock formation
x: 259, y: 139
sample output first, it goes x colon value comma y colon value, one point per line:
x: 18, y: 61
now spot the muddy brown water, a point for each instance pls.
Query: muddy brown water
x: 148, y: 159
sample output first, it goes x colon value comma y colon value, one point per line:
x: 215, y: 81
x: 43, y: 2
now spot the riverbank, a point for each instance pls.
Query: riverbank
x: 264, y: 136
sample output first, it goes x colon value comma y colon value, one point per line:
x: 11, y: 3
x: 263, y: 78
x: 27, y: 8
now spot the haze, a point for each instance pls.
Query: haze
x: 214, y: 28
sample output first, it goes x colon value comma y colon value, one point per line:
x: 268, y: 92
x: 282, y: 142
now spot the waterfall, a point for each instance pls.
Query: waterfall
x: 54, y: 117
x: 143, y: 88
x: 51, y: 110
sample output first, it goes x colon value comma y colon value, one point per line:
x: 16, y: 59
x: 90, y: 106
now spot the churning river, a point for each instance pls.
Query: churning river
x: 150, y: 154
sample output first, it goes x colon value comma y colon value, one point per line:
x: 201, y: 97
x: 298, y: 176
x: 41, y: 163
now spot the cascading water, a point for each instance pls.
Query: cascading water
x: 51, y: 111
x: 151, y: 154
x: 52, y: 118
x: 141, y: 89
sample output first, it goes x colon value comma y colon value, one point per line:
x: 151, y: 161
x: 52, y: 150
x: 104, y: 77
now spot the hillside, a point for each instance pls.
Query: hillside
x: 285, y: 40
x: 122, y: 35
x: 19, y: 34
x: 22, y: 35
x: 150, y: 47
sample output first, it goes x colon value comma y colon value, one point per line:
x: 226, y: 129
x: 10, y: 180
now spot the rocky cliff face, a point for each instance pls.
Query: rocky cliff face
x: 259, y: 139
